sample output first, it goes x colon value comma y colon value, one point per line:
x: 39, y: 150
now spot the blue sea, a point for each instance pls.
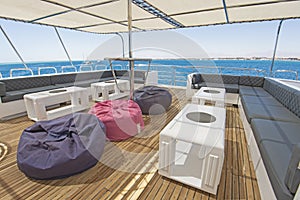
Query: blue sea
x: 169, y: 69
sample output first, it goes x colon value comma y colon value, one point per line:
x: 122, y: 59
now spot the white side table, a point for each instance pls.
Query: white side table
x: 191, y: 147
x: 108, y: 90
x: 37, y: 103
x: 211, y: 94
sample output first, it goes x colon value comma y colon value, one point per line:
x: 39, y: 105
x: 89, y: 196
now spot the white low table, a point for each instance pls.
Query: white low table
x: 216, y: 95
x: 192, y: 152
x: 37, y: 103
x: 108, y: 90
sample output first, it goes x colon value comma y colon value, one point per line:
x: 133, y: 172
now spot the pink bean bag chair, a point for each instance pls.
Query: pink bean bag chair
x: 122, y: 118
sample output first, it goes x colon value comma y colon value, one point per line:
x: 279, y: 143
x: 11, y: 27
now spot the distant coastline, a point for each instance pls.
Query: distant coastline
x: 158, y: 59
x: 233, y: 58
x: 256, y: 58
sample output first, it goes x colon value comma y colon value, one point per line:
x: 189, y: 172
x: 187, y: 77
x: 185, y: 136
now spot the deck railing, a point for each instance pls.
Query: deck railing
x: 16, y: 72
x: 68, y: 69
x: 169, y: 75
x: 47, y: 70
x: 177, y: 75
x: 291, y: 72
x: 85, y: 67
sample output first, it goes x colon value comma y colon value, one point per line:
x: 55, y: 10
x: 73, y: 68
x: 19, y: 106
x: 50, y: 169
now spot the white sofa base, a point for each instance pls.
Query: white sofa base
x: 12, y: 109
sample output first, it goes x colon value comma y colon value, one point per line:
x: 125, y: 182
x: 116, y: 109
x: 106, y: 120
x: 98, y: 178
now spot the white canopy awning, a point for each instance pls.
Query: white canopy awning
x: 110, y: 16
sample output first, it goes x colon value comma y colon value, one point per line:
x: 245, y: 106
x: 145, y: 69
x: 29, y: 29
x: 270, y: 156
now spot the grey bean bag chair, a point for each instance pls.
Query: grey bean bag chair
x: 152, y: 100
x: 61, y: 147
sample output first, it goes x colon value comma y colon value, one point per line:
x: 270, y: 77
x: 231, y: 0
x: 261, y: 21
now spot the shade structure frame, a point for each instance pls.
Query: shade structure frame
x: 109, y: 16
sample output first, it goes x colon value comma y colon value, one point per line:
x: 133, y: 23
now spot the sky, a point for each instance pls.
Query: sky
x: 40, y: 43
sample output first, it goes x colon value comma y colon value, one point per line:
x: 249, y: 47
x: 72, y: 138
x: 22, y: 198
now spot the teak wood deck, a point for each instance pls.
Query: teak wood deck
x: 128, y: 169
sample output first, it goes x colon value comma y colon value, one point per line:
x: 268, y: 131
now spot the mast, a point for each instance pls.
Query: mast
x: 63, y: 46
x: 131, y: 62
x: 14, y: 48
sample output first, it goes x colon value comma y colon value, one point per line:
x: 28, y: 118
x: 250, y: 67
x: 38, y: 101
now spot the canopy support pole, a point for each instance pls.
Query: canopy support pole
x: 122, y: 39
x: 275, y: 48
x: 63, y: 45
x: 14, y: 48
x: 131, y: 62
x: 225, y: 10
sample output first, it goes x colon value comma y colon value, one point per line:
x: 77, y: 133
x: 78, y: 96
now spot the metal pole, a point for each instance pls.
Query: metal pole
x: 275, y: 48
x: 225, y: 10
x: 14, y: 48
x: 131, y: 62
x: 122, y: 44
x: 63, y: 45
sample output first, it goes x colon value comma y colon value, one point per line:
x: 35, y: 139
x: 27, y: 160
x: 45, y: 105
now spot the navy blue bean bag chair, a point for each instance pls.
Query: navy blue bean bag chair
x: 61, y: 147
x: 152, y: 100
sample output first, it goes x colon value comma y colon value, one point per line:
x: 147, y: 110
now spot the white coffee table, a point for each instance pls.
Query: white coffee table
x: 37, y: 104
x: 211, y: 94
x: 192, y: 152
x: 108, y: 90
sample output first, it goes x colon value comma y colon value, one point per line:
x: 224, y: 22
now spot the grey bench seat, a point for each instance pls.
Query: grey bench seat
x: 263, y: 100
x: 254, y: 91
x: 276, y: 140
x: 18, y: 94
x: 280, y: 113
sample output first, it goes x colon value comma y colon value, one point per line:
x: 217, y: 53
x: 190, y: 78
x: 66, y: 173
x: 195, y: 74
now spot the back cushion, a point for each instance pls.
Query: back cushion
x: 229, y: 79
x: 221, y: 79
x: 254, y: 81
x: 196, y: 79
x: 26, y: 82
x: 287, y: 96
x: 212, y: 78
x: 106, y: 74
x: 85, y: 76
x: 63, y: 78
x: 294, y: 104
x: 2, y: 89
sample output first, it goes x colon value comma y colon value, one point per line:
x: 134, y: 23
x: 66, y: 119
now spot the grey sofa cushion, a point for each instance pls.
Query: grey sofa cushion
x: 255, y: 91
x: 254, y: 81
x: 2, y: 89
x: 63, y: 78
x: 221, y: 79
x: 139, y: 76
x: 276, y: 159
x: 281, y: 92
x: 19, y: 94
x: 260, y: 100
x: 292, y: 178
x: 196, y: 79
x: 294, y: 104
x: 86, y: 83
x: 13, y: 96
x: 15, y: 84
x: 39, y: 89
x: 230, y: 79
x: 277, y: 131
x: 279, y: 113
x: 212, y: 78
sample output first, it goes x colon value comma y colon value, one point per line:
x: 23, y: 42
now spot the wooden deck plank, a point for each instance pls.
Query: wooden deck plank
x: 132, y: 177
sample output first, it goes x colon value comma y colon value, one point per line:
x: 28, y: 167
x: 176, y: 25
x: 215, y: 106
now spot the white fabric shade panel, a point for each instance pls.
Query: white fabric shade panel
x: 110, y: 16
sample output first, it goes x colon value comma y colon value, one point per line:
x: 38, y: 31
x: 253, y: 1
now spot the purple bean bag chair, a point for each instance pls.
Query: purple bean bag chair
x: 122, y: 118
x: 152, y: 100
x: 61, y: 147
